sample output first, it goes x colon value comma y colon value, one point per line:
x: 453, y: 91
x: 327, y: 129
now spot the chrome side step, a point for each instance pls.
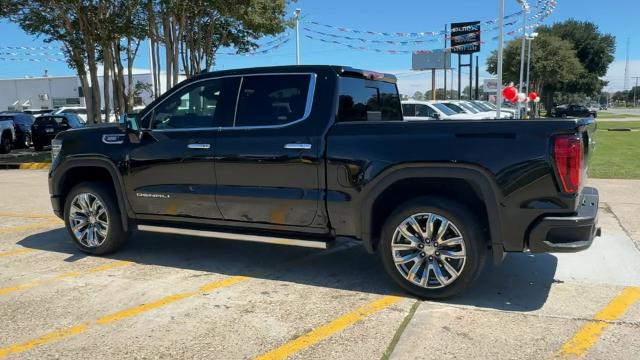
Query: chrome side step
x: 311, y: 243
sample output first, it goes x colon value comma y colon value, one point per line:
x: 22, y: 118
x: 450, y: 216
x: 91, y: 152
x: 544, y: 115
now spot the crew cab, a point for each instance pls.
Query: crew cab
x: 305, y: 155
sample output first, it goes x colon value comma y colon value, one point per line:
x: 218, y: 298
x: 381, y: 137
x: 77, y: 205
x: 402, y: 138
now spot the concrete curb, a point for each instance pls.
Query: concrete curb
x: 26, y: 166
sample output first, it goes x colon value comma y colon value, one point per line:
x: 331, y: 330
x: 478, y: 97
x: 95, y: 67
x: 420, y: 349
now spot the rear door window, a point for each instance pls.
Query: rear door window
x: 368, y: 100
x: 271, y: 100
x: 409, y: 109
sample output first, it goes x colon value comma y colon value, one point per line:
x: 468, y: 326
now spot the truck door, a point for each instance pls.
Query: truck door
x: 268, y: 160
x: 171, y: 171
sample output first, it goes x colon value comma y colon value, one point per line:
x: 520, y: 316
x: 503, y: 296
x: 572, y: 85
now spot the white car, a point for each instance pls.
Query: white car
x: 487, y: 106
x: 461, y: 107
x: 508, y: 110
x: 423, y: 110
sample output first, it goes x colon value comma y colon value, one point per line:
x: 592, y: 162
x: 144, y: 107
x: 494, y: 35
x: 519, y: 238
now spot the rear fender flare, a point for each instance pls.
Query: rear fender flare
x: 478, y: 178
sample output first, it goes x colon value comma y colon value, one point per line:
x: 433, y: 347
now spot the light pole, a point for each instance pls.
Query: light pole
x: 525, y: 10
x: 500, y: 50
x: 297, y: 15
x: 529, y: 37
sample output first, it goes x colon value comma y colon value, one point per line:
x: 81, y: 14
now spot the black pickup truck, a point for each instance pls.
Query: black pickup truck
x: 303, y: 155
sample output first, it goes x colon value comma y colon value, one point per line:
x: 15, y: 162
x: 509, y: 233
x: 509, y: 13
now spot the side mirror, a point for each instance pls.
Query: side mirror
x: 129, y: 122
x: 437, y: 116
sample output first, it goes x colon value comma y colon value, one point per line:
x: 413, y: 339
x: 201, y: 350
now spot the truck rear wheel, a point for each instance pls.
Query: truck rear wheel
x: 433, y: 247
x: 92, y: 218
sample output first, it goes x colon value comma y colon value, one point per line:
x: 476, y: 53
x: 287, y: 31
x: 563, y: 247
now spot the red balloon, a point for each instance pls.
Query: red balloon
x: 533, y: 96
x: 510, y: 93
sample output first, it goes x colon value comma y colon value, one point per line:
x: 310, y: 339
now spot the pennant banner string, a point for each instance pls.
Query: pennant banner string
x: 545, y: 7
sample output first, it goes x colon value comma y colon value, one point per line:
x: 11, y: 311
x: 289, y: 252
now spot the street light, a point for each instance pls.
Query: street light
x: 529, y: 37
x: 296, y: 13
x: 500, y: 51
x: 525, y: 11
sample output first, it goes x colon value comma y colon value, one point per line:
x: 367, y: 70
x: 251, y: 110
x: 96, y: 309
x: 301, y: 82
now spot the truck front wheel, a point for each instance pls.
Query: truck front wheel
x: 92, y: 218
x: 433, y: 247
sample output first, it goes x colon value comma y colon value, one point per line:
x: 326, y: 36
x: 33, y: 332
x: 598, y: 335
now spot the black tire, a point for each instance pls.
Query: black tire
x: 466, y: 223
x: 5, y: 143
x: 116, y: 237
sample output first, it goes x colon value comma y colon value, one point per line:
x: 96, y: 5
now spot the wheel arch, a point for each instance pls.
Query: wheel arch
x: 438, y: 179
x: 74, y: 171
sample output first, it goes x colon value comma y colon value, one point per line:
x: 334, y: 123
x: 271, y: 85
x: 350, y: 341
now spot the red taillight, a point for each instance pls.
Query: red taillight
x: 567, y: 153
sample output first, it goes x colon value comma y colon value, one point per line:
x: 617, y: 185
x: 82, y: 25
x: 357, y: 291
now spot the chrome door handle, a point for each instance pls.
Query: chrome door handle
x: 199, y: 146
x: 297, y: 146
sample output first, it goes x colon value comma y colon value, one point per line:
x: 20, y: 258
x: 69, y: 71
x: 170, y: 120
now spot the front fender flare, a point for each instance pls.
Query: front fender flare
x: 57, y: 175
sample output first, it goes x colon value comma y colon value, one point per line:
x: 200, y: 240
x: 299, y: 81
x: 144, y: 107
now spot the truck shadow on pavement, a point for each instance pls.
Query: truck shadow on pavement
x: 521, y: 283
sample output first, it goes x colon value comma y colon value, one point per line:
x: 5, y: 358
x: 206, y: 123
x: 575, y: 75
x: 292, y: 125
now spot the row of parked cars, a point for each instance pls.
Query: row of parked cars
x: 36, y: 128
x: 453, y: 109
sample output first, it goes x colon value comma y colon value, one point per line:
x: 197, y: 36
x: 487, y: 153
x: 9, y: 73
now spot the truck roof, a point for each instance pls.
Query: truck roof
x: 339, y: 69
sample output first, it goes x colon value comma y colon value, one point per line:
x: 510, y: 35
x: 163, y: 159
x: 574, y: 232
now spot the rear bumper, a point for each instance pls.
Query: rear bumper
x: 568, y: 234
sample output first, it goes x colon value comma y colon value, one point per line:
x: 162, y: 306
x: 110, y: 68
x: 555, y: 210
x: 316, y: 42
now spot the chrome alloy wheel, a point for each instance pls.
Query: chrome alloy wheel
x: 89, y: 220
x: 428, y: 250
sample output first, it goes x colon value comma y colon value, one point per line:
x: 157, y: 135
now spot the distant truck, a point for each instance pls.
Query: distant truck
x: 304, y: 155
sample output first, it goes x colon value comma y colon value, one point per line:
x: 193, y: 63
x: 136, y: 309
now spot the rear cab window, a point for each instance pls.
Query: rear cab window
x: 361, y: 99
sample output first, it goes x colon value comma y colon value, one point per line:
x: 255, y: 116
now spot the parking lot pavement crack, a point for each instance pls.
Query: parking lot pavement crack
x: 607, y: 208
x: 403, y: 325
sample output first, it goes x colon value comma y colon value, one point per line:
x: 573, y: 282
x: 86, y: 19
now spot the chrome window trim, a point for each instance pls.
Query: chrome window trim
x: 307, y: 110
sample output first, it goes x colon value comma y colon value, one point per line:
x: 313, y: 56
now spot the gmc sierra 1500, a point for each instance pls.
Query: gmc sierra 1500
x: 303, y: 155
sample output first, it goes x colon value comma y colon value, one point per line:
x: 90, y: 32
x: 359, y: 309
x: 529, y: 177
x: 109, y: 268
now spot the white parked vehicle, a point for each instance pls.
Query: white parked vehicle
x: 461, y: 107
x: 423, y: 110
x: 492, y: 106
x: 479, y: 105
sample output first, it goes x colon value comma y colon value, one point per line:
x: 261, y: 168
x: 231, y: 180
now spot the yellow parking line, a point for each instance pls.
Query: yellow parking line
x: 327, y: 330
x: 67, y: 275
x: 15, y: 252
x: 27, y: 215
x: 29, y: 227
x: 588, y: 335
x: 117, y: 316
x: 34, y: 166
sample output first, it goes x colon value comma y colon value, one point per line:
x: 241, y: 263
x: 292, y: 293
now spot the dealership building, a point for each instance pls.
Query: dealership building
x: 52, y: 92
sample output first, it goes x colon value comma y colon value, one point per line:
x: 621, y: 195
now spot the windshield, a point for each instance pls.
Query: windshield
x: 469, y: 107
x: 490, y: 105
x: 480, y: 106
x: 444, y: 109
x: 455, y: 108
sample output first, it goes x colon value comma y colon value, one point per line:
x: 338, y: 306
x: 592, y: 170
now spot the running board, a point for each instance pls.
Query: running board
x: 292, y: 241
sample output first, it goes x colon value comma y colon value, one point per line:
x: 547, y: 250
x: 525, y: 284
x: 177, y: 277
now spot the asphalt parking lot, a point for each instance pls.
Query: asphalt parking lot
x: 185, y: 297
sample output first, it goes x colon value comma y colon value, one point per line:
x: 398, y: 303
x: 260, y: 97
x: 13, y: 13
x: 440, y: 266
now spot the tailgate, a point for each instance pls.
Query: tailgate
x: 587, y: 130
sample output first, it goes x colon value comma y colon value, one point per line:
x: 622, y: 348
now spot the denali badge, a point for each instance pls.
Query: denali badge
x: 155, y: 196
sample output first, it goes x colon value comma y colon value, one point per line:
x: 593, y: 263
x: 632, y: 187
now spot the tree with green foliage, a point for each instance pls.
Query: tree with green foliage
x: 94, y: 32
x: 418, y: 95
x: 570, y: 57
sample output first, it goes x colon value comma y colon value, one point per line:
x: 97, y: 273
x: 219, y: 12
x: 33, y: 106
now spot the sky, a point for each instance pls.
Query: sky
x: 615, y: 17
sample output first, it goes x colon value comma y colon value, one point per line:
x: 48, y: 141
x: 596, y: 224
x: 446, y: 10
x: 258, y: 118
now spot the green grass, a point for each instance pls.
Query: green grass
x: 617, y: 153
x: 608, y: 115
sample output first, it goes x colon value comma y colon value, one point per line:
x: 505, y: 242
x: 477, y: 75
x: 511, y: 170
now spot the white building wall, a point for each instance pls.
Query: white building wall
x: 55, y: 92
x: 38, y: 93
